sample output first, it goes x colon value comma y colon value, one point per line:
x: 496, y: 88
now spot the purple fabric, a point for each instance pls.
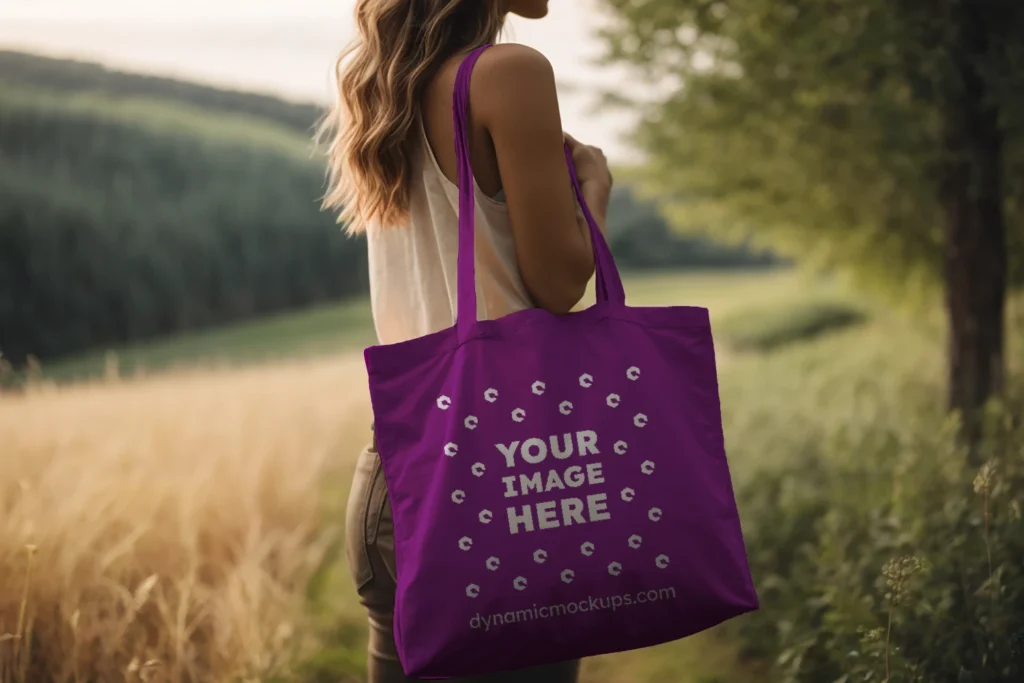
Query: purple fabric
x: 559, y: 484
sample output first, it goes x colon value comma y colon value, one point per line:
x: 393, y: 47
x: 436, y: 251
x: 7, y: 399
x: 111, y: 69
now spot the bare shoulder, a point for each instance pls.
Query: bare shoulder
x: 511, y: 79
x: 513, y: 60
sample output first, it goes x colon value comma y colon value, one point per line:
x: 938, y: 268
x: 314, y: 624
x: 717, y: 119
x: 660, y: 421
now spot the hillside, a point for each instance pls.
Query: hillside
x: 124, y: 219
x: 71, y: 76
x: 134, y: 207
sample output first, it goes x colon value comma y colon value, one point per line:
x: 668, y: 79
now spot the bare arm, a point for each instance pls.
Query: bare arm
x: 517, y: 102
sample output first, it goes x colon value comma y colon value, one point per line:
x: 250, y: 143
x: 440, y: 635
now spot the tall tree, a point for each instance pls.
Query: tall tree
x: 884, y: 135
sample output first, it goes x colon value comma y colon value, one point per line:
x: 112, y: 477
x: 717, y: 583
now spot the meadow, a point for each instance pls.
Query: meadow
x: 176, y: 515
x: 184, y: 525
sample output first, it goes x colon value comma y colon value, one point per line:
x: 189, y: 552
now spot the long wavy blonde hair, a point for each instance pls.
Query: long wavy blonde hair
x: 381, y: 77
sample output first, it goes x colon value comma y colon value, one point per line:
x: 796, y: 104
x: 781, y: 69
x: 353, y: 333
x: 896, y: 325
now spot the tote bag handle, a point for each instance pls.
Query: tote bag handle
x: 608, y: 283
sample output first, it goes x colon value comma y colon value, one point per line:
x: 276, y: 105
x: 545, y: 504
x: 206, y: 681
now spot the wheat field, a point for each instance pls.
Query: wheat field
x: 163, y: 529
x: 166, y: 530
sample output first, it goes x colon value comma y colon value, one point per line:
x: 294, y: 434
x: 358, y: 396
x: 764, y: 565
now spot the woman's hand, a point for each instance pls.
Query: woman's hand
x: 591, y: 165
x: 595, y: 180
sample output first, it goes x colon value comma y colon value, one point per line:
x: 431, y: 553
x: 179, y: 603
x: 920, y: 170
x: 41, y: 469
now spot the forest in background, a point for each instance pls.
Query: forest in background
x: 134, y: 207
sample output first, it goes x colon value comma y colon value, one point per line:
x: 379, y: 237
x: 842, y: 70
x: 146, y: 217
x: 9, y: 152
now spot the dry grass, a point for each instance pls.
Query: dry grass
x: 176, y: 521
x: 173, y: 522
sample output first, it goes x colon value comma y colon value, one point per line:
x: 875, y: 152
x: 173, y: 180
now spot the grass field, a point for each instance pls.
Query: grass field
x: 163, y: 116
x: 185, y: 526
x: 340, y: 328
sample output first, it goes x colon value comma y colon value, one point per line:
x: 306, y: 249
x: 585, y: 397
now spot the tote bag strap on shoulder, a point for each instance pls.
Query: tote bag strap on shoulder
x: 608, y: 283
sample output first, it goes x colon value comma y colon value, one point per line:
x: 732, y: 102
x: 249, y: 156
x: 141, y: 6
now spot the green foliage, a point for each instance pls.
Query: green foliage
x: 640, y: 238
x: 126, y: 220
x: 846, y: 466
x: 818, y: 127
x: 293, y: 334
x: 158, y: 117
x: 769, y: 328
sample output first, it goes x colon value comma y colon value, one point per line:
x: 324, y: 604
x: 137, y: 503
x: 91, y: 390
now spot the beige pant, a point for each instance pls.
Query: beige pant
x: 370, y: 545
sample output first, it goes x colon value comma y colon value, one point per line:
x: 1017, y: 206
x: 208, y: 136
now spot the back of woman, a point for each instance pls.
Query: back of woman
x: 394, y: 171
x: 412, y: 270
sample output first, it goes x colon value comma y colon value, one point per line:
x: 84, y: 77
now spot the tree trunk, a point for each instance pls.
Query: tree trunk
x: 975, y: 235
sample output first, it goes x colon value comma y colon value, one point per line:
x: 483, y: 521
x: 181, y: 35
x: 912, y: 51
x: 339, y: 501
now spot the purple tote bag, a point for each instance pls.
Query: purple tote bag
x: 559, y: 484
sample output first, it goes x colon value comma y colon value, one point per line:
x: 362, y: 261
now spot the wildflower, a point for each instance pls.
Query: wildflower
x: 897, y: 572
x: 985, y: 477
x: 873, y: 635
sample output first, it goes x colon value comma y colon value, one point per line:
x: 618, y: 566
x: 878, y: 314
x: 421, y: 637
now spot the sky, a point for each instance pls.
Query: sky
x: 287, y: 47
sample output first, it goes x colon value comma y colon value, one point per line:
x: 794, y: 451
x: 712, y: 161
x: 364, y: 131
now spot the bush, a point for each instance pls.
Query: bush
x: 765, y: 329
x: 641, y: 238
x: 881, y: 555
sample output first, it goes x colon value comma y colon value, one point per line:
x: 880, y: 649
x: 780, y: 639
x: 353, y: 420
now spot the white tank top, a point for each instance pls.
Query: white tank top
x: 413, y: 266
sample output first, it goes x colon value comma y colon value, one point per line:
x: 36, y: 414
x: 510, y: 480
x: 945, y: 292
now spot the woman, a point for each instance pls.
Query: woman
x: 393, y: 174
